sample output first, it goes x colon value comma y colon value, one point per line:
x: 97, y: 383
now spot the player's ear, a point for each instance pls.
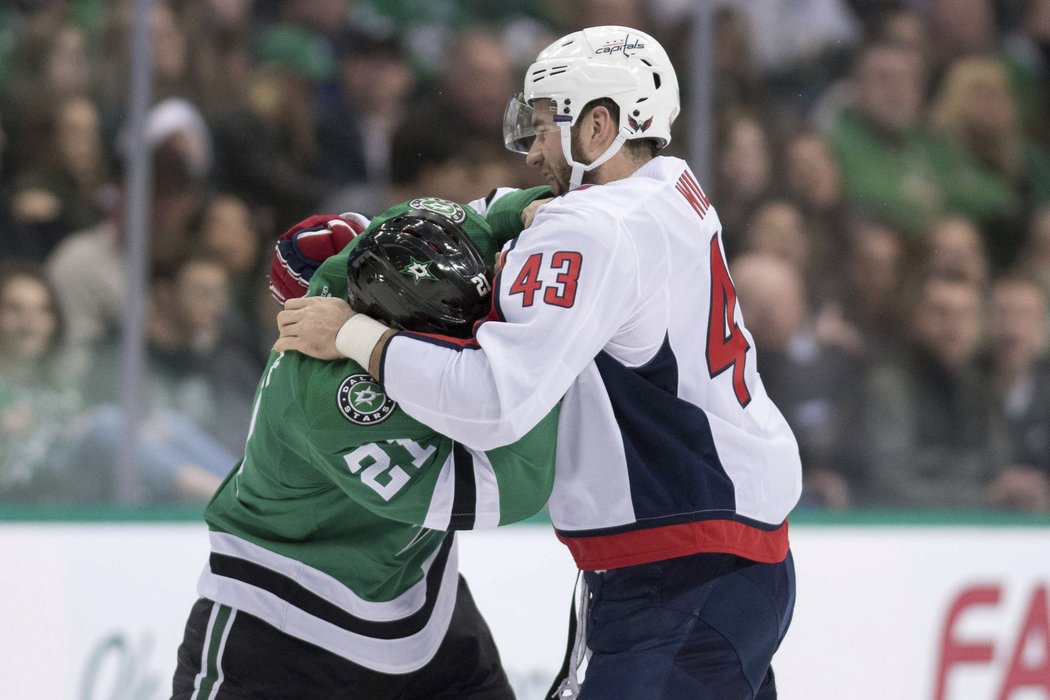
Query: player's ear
x: 599, y: 130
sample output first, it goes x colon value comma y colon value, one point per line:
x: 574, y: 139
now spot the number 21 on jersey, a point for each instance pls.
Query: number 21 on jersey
x: 381, y: 473
x: 726, y: 344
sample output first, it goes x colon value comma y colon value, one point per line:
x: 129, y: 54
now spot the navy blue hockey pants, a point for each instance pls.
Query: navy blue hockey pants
x: 701, y: 627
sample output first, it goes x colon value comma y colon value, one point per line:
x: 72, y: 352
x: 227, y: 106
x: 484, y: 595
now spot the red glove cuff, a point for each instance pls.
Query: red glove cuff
x: 301, y: 249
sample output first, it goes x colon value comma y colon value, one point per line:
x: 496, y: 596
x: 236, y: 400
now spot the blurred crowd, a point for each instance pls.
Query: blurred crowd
x: 881, y: 170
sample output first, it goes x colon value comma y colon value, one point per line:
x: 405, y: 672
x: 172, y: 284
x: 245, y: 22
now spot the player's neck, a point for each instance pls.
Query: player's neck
x: 619, y: 167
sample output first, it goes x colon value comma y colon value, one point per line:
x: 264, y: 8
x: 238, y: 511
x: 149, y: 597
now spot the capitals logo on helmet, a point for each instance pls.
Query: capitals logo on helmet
x: 623, y: 64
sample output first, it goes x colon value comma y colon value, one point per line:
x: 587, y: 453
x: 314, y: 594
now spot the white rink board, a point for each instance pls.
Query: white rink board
x: 95, y: 611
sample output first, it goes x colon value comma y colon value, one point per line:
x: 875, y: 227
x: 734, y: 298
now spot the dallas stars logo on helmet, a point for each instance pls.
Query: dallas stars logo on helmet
x: 363, y: 401
x: 449, y: 210
x: 418, y: 270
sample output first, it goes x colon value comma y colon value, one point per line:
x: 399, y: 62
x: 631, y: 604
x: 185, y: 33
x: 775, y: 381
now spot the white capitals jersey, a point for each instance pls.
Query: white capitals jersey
x: 617, y: 302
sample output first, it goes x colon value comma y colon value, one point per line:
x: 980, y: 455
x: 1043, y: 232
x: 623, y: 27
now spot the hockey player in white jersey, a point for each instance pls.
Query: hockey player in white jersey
x: 675, y: 472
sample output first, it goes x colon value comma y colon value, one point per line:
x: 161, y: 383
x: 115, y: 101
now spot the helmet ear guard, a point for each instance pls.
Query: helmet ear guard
x: 420, y: 271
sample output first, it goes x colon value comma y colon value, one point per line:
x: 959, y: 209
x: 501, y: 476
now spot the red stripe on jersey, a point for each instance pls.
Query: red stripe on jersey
x: 659, y: 543
x: 694, y: 187
x: 690, y: 189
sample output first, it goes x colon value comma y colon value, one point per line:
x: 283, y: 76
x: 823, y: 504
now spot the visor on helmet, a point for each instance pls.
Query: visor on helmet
x: 518, y: 129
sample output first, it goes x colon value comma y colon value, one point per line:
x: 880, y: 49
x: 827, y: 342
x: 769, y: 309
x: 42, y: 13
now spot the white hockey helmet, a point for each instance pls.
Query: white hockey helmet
x: 625, y: 65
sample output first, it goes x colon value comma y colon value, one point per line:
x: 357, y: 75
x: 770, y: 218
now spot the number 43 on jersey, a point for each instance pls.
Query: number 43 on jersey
x: 726, y: 344
x: 563, y: 271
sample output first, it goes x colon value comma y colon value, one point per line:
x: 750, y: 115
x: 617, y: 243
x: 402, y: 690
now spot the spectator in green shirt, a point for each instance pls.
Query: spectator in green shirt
x: 896, y: 169
x: 977, y: 109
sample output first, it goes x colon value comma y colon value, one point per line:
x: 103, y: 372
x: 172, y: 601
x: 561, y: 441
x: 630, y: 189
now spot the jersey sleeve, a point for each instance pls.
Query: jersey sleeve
x: 523, y: 471
x: 402, y: 470
x: 502, y: 210
x: 330, y: 278
x: 568, y: 283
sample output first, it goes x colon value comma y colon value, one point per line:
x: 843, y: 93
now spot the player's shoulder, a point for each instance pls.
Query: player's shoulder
x: 330, y: 278
x: 574, y: 215
x: 340, y: 395
x: 602, y: 209
x: 659, y: 175
x: 508, y: 199
x: 633, y: 193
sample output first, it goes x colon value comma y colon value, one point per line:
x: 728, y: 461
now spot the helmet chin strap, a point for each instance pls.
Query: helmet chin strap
x: 578, y: 169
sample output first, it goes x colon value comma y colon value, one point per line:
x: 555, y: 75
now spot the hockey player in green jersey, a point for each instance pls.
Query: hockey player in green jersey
x: 333, y: 568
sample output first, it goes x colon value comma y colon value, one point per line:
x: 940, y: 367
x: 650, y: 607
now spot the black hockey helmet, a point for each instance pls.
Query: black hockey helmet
x: 420, y: 271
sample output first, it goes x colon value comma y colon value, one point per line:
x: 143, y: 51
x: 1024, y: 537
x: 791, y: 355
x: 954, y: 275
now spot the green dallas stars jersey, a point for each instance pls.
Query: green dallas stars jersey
x: 335, y: 527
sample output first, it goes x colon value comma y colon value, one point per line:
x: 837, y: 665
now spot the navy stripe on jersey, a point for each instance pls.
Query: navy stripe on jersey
x: 496, y: 313
x: 287, y: 589
x: 672, y: 463
x: 465, y: 496
x: 444, y: 341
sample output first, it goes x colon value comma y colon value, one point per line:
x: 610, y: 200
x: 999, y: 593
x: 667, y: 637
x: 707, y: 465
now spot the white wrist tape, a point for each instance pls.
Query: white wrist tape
x: 358, y: 337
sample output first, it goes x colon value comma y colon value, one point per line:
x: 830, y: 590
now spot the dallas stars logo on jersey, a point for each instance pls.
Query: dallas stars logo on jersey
x: 363, y: 401
x: 445, y: 208
x: 418, y: 270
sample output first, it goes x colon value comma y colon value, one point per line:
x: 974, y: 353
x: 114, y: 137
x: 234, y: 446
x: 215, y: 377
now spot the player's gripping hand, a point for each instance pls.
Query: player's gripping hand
x: 310, y: 325
x: 531, y: 209
x: 303, y: 247
x: 328, y: 329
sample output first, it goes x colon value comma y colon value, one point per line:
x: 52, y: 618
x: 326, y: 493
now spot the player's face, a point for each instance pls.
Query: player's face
x: 545, y: 152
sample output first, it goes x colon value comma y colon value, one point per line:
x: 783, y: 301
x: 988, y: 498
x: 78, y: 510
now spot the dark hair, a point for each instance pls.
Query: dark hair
x: 416, y: 146
x: 361, y: 42
x: 169, y: 268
